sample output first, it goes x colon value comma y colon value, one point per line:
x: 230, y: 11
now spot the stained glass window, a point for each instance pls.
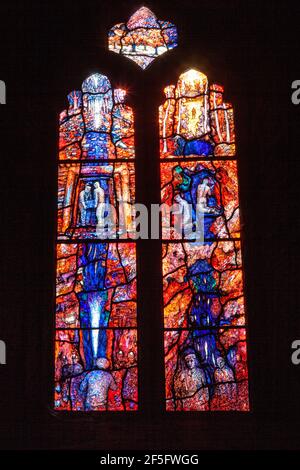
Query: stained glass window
x: 143, y: 37
x: 203, y: 291
x: 96, y: 324
x: 204, y: 315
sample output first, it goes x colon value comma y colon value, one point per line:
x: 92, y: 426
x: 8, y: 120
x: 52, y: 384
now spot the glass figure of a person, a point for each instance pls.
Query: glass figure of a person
x: 99, y: 196
x: 85, y: 197
x: 70, y: 374
x: 96, y: 385
x: 225, y: 391
x: 190, y: 385
x: 203, y: 191
x: 183, y: 218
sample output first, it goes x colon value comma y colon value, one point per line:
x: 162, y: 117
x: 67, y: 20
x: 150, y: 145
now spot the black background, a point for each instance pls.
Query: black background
x: 47, y: 50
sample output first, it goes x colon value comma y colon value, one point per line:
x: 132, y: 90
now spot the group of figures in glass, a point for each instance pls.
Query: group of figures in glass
x: 91, y: 204
x: 96, y: 316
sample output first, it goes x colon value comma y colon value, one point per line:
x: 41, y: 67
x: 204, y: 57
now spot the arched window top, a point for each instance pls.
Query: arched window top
x: 96, y: 83
x: 194, y: 119
x: 191, y: 83
x: 98, y: 124
x: 143, y: 37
